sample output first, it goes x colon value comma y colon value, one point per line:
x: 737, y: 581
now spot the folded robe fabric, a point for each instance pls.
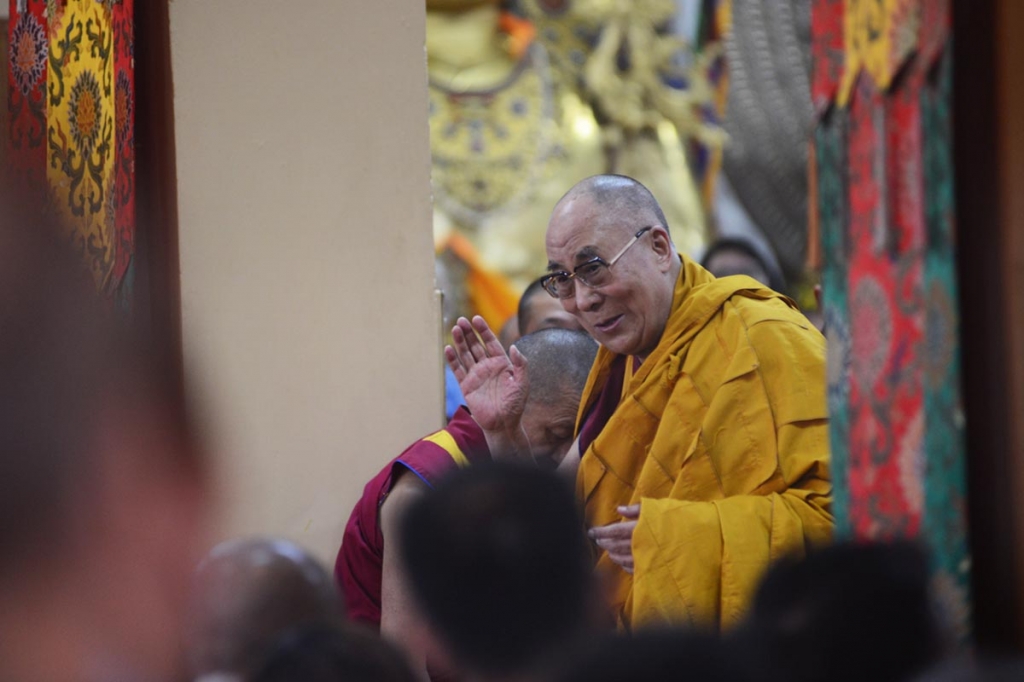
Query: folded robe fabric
x: 722, y: 436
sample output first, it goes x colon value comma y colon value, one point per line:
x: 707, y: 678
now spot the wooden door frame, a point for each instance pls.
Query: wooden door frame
x: 989, y: 159
x: 4, y: 92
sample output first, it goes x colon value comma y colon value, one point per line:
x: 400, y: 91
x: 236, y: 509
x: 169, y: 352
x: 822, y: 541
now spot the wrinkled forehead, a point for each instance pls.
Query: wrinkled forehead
x: 581, y: 229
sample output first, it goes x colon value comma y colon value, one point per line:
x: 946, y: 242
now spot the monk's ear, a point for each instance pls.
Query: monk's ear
x: 662, y: 245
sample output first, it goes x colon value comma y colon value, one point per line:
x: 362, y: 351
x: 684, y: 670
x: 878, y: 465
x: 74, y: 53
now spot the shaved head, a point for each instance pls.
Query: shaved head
x: 559, y: 362
x: 620, y: 195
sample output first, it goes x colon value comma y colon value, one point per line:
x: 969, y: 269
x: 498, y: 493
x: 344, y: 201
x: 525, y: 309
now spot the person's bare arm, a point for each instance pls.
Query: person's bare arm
x: 399, y: 620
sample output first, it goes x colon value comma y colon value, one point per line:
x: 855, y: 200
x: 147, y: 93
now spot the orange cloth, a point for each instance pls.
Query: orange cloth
x: 520, y: 33
x: 722, y: 436
x: 491, y: 296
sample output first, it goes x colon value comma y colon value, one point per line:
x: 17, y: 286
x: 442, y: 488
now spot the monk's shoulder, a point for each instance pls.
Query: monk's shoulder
x: 753, y: 332
x: 790, y: 357
x: 728, y: 331
x: 752, y: 311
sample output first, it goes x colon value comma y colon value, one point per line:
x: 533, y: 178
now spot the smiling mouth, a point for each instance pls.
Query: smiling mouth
x: 608, y: 324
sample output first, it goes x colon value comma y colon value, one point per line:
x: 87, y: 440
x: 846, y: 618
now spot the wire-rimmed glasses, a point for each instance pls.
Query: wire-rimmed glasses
x: 594, y: 273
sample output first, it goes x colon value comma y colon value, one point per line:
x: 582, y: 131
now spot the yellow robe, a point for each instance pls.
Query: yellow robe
x: 722, y: 436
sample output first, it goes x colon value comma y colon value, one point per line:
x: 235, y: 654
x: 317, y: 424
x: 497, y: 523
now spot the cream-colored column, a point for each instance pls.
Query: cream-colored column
x: 309, y: 321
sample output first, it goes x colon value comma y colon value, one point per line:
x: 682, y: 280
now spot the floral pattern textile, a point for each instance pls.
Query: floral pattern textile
x: 884, y: 174
x: 883, y: 336
x: 27, y: 102
x: 878, y: 37
x: 72, y: 125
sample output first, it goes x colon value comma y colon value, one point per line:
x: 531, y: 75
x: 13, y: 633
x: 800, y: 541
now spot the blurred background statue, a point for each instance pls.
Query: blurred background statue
x: 526, y: 99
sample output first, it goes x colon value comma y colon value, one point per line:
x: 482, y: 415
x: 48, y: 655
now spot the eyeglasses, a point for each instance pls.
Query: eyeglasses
x: 595, y: 273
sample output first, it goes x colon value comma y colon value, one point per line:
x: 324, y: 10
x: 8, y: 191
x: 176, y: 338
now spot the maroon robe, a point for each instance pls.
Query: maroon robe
x: 358, y: 568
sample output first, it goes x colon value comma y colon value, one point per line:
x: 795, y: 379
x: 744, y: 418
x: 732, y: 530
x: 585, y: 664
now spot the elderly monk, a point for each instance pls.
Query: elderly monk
x: 538, y: 391
x: 703, y: 428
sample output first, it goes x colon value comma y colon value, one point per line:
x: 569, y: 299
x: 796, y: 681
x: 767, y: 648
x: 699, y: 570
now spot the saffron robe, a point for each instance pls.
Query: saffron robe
x: 358, y: 568
x: 721, y: 435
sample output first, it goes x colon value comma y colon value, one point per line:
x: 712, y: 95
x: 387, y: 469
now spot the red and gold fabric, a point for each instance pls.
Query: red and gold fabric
x: 878, y: 37
x: 886, y: 234
x: 890, y: 284
x: 123, y: 14
x: 72, y: 136
x: 29, y: 46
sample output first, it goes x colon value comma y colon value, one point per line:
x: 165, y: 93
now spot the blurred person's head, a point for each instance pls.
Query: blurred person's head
x: 612, y: 263
x: 558, y: 363
x: 496, y: 558
x: 332, y: 654
x: 657, y: 655
x: 538, y: 310
x: 101, y: 478
x: 738, y: 256
x: 247, y: 594
x: 847, y: 612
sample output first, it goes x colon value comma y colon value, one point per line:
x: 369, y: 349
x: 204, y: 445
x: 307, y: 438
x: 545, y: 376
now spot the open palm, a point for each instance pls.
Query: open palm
x: 494, y: 385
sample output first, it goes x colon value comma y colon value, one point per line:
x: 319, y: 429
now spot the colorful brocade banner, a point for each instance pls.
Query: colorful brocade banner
x: 72, y: 123
x: 884, y: 198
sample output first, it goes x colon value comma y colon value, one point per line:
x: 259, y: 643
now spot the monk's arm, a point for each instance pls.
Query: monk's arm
x: 399, y: 621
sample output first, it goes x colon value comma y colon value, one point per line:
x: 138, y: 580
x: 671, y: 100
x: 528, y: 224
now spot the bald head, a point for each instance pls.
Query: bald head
x: 619, y: 195
x: 249, y: 592
x: 612, y: 227
x: 559, y: 362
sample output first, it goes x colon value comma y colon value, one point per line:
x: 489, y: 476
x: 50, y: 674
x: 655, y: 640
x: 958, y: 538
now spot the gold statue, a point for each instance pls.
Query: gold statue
x: 512, y: 127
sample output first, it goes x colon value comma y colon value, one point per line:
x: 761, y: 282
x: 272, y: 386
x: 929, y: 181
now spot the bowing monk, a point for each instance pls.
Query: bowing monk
x: 522, y: 407
x: 702, y: 427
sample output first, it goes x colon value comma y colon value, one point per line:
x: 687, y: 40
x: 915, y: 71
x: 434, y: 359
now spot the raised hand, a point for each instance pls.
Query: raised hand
x: 494, y: 385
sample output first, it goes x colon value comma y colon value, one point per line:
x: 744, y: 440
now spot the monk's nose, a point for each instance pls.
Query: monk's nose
x: 587, y: 299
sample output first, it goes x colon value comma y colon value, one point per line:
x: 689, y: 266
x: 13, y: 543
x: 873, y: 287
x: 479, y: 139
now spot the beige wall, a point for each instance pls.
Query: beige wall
x: 310, y: 326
